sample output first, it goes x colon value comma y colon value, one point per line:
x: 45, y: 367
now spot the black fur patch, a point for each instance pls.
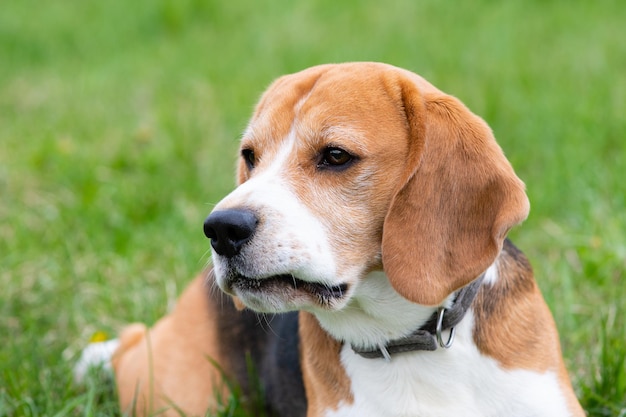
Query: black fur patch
x: 263, y: 353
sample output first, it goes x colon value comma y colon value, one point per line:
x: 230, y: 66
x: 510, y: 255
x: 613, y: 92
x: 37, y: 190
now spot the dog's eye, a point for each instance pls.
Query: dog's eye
x: 249, y: 157
x: 333, y: 157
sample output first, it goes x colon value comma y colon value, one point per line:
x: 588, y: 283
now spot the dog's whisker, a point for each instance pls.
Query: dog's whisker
x: 295, y: 282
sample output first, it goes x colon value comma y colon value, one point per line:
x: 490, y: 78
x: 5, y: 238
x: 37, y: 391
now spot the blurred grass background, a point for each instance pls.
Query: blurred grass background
x: 119, y: 124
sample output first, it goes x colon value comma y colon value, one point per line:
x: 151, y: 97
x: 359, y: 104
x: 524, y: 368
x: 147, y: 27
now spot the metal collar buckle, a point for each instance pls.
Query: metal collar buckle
x: 439, y: 329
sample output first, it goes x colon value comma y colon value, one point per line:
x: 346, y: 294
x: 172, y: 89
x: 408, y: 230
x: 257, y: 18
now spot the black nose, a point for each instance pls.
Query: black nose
x: 229, y: 230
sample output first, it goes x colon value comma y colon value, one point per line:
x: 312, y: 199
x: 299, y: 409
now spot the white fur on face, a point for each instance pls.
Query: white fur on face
x: 289, y: 239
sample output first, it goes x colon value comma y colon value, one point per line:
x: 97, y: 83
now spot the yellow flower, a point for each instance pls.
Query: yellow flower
x: 98, y: 336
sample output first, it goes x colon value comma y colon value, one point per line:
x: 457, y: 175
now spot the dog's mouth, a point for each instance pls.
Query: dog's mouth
x: 286, y: 286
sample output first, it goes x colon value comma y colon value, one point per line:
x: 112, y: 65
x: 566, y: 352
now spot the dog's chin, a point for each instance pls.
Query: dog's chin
x: 285, y: 292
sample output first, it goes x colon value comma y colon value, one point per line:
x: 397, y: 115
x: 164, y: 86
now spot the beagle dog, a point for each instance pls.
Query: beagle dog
x: 367, y: 239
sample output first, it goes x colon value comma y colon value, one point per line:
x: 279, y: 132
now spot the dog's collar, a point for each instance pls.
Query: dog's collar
x: 428, y: 337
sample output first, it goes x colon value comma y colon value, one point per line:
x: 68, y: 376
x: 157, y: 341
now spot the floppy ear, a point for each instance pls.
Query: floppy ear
x: 455, y: 204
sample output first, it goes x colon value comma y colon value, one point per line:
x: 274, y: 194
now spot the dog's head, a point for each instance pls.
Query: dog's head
x: 352, y: 168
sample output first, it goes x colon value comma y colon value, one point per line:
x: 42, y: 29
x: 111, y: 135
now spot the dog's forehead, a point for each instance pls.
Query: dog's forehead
x: 329, y: 101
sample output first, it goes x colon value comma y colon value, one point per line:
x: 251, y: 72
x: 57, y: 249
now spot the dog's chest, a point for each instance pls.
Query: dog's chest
x: 454, y: 382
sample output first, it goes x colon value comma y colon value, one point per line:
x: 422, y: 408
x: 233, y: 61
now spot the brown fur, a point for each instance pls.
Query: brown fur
x: 514, y: 324
x: 325, y: 380
x: 433, y: 246
x: 167, y: 368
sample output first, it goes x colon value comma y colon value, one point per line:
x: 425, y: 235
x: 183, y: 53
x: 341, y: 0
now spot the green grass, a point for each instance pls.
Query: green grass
x: 118, y: 131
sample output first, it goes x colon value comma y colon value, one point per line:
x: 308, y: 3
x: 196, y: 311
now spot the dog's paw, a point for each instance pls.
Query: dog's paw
x: 95, y: 355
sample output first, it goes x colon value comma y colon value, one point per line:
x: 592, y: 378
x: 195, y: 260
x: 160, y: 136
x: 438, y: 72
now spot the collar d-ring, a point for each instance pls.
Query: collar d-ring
x: 439, y: 329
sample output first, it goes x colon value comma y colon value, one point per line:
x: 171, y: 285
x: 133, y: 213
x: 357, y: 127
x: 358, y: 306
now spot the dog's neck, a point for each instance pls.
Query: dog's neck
x: 430, y: 335
x: 376, y: 315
